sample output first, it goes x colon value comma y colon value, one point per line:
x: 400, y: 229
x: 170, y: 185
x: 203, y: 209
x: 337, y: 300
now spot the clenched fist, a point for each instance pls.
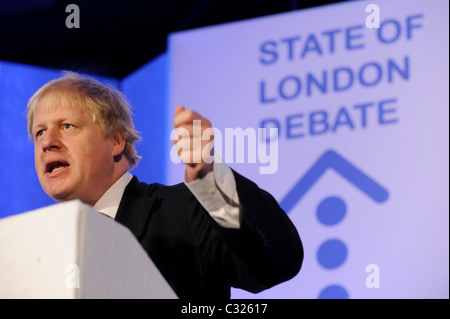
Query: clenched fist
x: 194, y: 143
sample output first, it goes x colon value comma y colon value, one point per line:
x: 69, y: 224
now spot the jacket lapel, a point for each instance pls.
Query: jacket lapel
x: 135, y: 208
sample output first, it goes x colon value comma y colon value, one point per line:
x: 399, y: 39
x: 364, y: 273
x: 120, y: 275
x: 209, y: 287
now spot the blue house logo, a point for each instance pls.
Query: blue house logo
x: 333, y: 252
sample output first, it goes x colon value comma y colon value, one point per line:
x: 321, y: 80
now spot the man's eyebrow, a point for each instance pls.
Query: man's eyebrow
x: 38, y: 125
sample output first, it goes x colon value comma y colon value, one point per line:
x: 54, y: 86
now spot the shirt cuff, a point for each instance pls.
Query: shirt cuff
x: 217, y: 193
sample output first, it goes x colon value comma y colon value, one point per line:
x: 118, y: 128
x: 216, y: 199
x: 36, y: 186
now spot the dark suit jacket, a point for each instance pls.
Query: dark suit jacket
x: 201, y: 259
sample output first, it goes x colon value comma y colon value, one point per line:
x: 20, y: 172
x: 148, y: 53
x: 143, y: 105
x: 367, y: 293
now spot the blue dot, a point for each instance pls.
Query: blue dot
x: 332, y: 254
x: 333, y: 292
x: 331, y: 210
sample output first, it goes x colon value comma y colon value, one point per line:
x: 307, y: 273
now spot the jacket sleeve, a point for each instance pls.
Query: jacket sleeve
x: 266, y: 250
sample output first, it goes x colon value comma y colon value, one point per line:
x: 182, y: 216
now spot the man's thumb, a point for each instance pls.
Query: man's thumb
x: 179, y: 109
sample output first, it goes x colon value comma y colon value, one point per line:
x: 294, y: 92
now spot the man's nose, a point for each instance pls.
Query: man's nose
x: 51, y: 140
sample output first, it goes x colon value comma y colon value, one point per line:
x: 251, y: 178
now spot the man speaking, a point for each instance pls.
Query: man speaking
x: 215, y: 231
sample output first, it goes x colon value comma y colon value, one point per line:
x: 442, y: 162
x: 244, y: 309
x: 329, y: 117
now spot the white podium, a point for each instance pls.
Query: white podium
x: 69, y: 250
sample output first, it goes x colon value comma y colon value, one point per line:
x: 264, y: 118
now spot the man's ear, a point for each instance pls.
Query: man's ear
x: 119, y: 144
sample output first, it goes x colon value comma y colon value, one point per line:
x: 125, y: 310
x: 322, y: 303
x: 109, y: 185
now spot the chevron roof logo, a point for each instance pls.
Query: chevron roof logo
x: 333, y: 252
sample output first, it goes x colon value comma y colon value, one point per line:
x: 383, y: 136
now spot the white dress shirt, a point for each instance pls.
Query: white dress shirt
x: 216, y: 192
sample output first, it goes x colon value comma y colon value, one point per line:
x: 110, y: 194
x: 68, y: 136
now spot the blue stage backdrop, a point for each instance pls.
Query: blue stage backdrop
x: 146, y: 90
x: 360, y: 161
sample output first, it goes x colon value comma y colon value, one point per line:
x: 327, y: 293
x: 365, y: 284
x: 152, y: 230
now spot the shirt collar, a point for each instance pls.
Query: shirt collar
x: 110, y: 200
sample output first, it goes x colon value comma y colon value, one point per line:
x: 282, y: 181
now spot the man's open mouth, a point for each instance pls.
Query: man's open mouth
x: 55, y: 166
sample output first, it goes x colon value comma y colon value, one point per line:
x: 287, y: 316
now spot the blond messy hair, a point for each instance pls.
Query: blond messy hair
x: 107, y: 106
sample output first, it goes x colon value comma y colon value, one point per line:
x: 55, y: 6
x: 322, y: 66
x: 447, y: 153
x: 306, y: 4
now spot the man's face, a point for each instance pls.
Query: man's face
x: 72, y: 158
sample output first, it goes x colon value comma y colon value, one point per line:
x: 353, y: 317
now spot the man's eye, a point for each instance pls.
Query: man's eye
x: 67, y: 126
x: 39, y: 133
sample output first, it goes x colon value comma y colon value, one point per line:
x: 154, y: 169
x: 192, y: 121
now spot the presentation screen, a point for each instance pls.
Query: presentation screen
x: 342, y: 113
